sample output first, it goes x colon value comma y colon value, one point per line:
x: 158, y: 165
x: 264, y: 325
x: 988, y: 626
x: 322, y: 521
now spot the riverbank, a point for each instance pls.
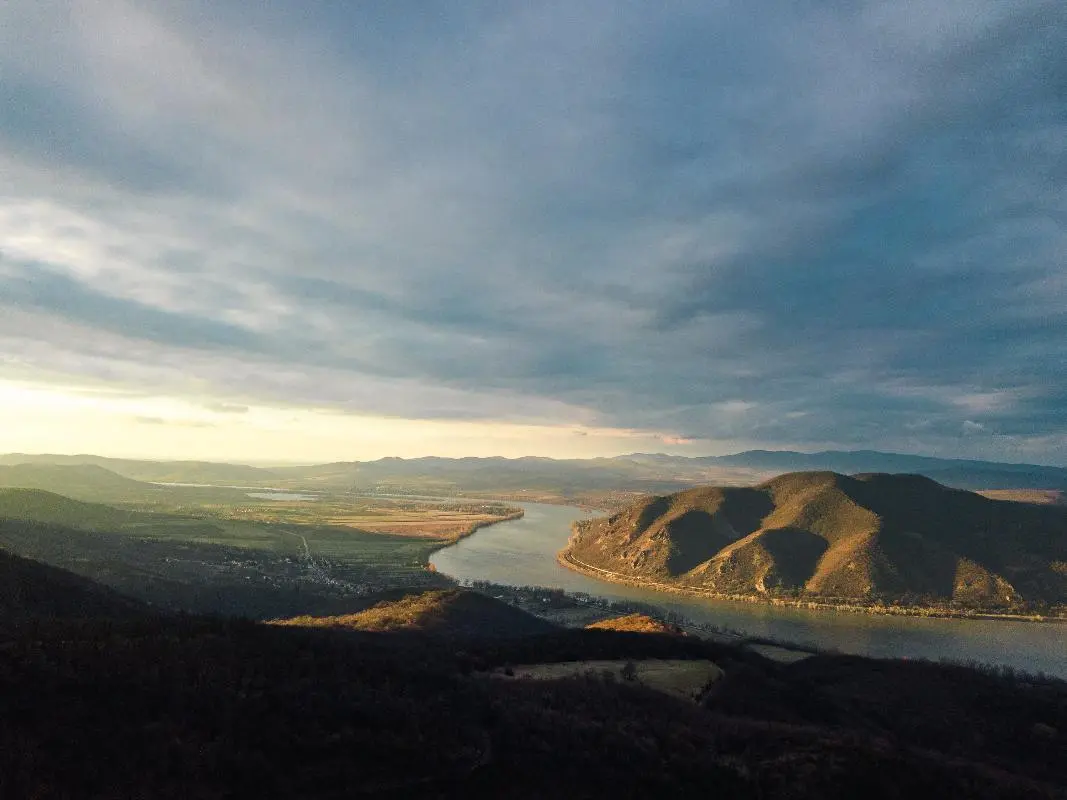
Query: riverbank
x: 565, y: 559
x: 477, y: 526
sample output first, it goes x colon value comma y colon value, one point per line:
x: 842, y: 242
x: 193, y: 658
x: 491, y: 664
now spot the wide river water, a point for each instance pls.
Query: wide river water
x: 523, y: 553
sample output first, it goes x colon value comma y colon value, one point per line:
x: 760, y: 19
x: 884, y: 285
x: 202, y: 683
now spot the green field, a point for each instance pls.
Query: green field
x: 255, y: 557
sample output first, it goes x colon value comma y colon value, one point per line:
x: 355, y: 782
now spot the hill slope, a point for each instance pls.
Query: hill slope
x: 208, y: 708
x: 37, y: 505
x: 207, y: 472
x: 451, y: 612
x: 864, y: 538
x: 80, y: 481
x: 30, y: 588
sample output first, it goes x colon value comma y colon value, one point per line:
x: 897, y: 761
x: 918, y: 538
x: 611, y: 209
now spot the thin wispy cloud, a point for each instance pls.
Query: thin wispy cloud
x: 792, y: 226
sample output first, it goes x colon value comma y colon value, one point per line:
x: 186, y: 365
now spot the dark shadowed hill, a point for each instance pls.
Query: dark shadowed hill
x: 136, y: 705
x: 30, y: 588
x: 208, y: 708
x: 448, y: 612
x: 824, y: 535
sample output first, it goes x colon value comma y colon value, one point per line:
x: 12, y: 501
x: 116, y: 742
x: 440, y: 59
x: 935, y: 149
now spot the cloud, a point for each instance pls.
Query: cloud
x: 676, y: 440
x: 182, y: 423
x: 609, y: 216
x: 226, y: 408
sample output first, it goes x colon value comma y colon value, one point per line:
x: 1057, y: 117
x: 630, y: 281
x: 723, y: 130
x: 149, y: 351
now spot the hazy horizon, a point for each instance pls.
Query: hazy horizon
x: 268, y: 463
x: 311, y: 233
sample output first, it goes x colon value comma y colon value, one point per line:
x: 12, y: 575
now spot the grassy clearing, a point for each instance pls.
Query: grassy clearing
x: 441, y: 521
x: 636, y: 623
x: 783, y: 655
x: 1040, y: 496
x: 686, y: 679
x: 451, y: 612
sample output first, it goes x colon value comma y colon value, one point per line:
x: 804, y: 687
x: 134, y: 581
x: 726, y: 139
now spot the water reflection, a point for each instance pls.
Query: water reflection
x: 523, y: 552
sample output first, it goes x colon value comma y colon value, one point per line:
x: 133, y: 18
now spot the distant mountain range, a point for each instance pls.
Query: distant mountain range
x: 206, y: 472
x: 825, y: 535
x: 959, y: 473
x: 639, y: 472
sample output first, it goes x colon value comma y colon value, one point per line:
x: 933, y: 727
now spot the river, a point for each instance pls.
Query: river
x: 523, y: 553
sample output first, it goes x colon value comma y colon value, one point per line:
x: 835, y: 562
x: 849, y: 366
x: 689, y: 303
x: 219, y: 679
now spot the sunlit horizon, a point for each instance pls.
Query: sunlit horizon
x: 700, y: 230
x: 66, y: 421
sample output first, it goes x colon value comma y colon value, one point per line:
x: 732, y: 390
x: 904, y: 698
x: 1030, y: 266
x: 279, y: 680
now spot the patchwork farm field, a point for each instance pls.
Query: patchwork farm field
x: 260, y: 558
x: 423, y: 519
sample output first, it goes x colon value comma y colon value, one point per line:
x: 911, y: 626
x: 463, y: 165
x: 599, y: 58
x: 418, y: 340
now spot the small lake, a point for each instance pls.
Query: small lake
x: 279, y: 495
x: 523, y: 553
x: 261, y: 493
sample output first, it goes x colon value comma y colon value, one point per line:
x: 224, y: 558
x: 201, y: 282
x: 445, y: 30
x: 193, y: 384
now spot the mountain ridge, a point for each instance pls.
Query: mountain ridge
x: 653, y: 472
x: 821, y: 535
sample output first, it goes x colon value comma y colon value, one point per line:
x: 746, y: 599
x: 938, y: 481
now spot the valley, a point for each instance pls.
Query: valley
x: 202, y: 551
x: 283, y: 638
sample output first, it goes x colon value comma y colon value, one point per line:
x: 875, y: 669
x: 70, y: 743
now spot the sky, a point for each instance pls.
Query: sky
x: 318, y: 231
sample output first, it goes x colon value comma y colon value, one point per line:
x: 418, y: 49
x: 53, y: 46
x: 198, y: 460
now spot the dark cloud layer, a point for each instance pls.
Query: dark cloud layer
x: 826, y: 225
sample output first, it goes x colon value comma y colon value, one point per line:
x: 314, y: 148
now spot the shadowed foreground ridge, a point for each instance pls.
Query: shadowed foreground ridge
x: 29, y: 588
x: 196, y: 707
x: 870, y: 537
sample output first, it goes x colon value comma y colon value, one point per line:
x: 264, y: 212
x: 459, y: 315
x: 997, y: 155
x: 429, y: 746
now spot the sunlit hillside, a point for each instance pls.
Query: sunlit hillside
x: 875, y: 537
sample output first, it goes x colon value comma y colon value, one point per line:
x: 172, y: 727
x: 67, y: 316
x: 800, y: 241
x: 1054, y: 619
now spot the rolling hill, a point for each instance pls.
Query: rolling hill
x: 30, y: 588
x: 80, y: 481
x: 870, y: 537
x: 195, y: 472
x: 37, y: 505
x: 94, y: 483
x: 448, y: 612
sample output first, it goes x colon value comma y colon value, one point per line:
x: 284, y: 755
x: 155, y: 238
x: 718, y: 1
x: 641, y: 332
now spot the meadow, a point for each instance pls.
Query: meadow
x: 256, y: 557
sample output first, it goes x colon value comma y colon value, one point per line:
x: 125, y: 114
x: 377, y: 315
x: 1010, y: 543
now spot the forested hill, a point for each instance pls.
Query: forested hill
x: 447, y: 613
x: 902, y: 538
x: 29, y: 588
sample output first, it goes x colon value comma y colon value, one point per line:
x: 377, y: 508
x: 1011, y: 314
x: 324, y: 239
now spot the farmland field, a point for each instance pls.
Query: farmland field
x: 265, y: 557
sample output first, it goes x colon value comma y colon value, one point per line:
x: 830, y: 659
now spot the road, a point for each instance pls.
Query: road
x: 316, y: 569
